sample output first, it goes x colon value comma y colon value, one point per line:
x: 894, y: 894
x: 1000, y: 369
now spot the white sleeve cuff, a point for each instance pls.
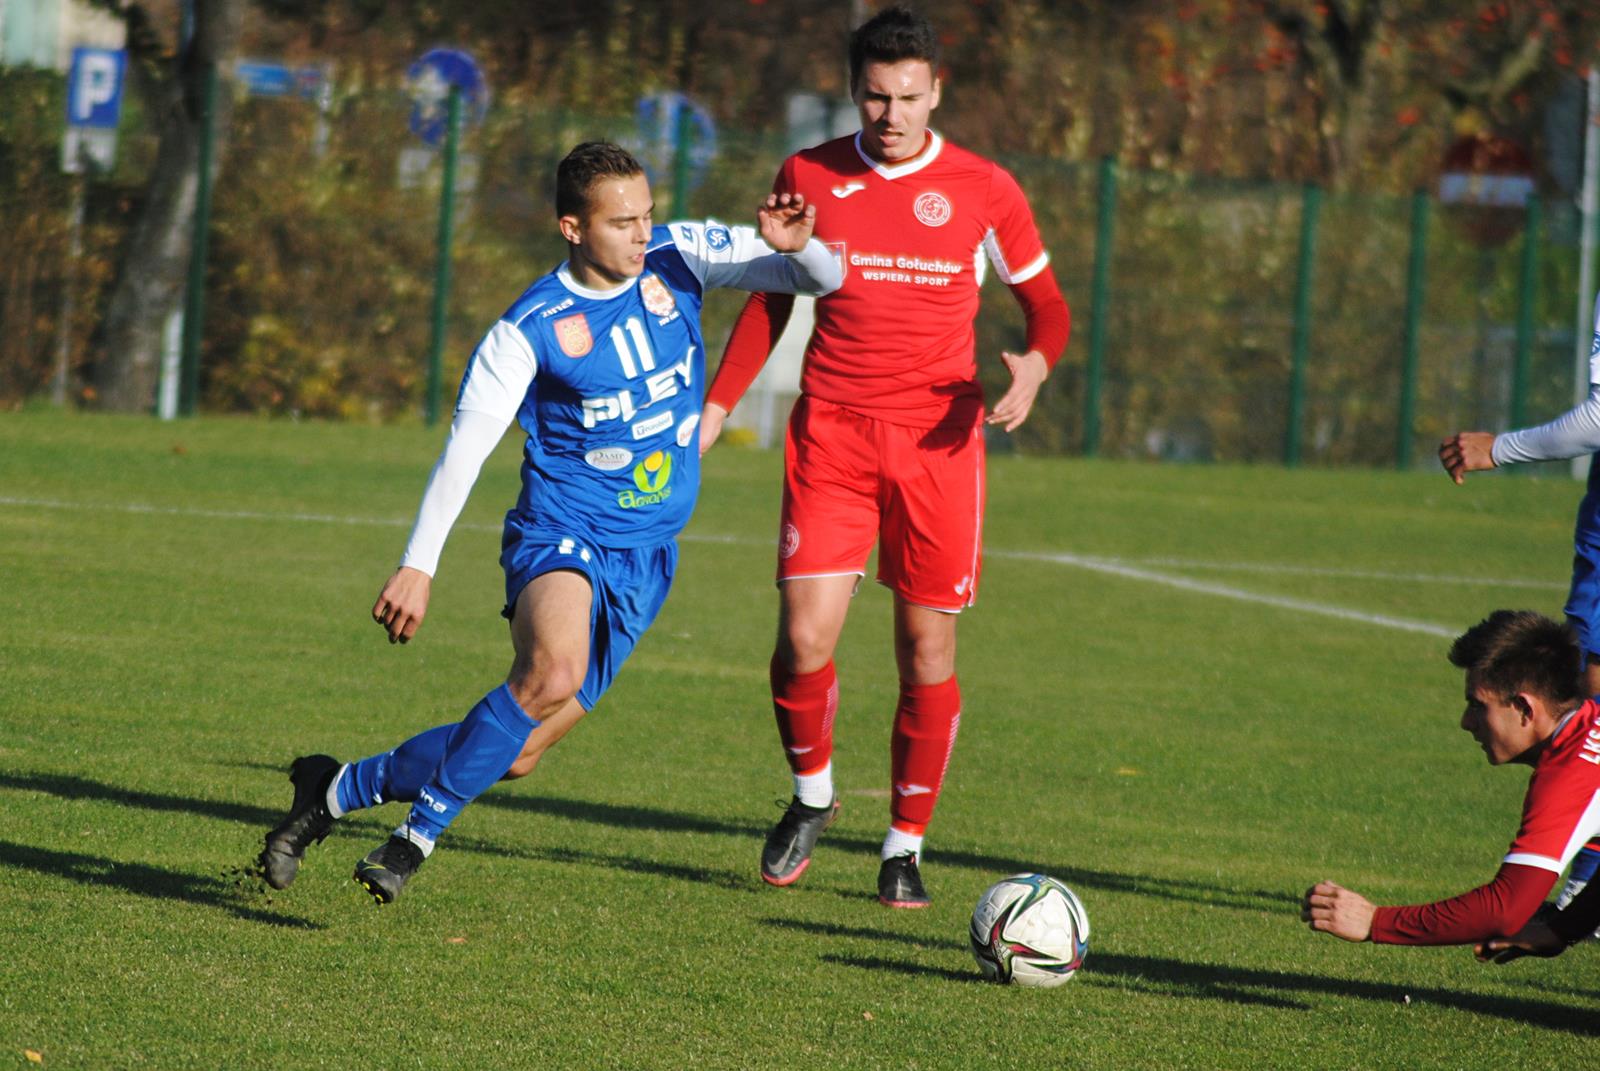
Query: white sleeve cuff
x: 473, y: 436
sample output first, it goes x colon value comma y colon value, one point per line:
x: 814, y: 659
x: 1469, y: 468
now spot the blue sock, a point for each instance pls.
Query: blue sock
x: 393, y: 775
x: 1584, y: 864
x: 480, y: 750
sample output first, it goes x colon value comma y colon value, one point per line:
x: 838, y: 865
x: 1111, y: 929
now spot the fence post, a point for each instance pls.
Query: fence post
x: 194, y: 302
x: 1311, y: 204
x: 680, y: 160
x: 1408, y: 368
x: 1527, y: 297
x: 441, y: 274
x: 1100, y: 305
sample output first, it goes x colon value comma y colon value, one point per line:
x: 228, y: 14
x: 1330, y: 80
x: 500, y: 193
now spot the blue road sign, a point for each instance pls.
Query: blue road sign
x: 430, y: 80
x: 658, y: 116
x: 94, y: 87
x: 264, y: 79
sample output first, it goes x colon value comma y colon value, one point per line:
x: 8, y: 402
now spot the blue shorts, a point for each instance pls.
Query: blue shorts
x: 1583, y: 601
x: 629, y: 585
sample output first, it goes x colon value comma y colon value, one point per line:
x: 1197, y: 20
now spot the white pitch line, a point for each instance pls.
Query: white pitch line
x: 1202, y: 587
x: 1271, y: 569
x: 1109, y: 566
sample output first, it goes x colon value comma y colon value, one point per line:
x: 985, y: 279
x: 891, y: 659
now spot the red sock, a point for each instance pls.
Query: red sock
x: 805, y: 704
x: 925, y: 727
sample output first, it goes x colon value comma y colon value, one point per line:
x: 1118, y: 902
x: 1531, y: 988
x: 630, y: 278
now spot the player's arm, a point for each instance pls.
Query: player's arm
x: 1572, y: 434
x: 1501, y: 907
x: 1048, y: 323
x: 1550, y: 932
x: 1581, y: 917
x: 781, y: 256
x: 1019, y: 257
x: 746, y: 260
x: 755, y: 335
x: 497, y: 379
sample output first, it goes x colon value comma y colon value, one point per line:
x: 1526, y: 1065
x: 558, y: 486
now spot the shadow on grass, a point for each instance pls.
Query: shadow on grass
x: 67, y: 787
x: 655, y: 818
x: 901, y: 966
x: 64, y: 786
x: 1239, y: 984
x: 261, y: 818
x: 638, y: 817
x: 725, y: 879
x: 862, y: 933
x: 142, y: 880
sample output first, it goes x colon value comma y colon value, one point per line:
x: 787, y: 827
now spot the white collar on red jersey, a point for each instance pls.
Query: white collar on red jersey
x: 911, y: 166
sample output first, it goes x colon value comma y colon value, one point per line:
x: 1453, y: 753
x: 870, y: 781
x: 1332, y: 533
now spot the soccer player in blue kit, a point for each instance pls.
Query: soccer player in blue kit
x: 1572, y: 434
x: 602, y: 364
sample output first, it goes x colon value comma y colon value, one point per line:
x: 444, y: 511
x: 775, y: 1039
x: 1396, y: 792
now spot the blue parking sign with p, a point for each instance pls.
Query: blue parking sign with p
x: 94, y: 87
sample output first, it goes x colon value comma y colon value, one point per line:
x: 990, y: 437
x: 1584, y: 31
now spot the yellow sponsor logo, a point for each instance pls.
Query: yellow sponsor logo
x: 651, y: 476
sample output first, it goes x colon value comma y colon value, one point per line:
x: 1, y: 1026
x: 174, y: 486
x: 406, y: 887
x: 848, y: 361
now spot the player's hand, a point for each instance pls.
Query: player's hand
x: 711, y: 418
x: 1534, y: 939
x: 786, y: 221
x: 1331, y: 908
x: 1467, y: 451
x: 1028, y: 372
x: 402, y: 603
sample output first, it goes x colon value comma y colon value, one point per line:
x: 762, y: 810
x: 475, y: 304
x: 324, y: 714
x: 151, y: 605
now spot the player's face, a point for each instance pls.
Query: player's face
x: 606, y: 244
x: 894, y: 100
x: 1498, y: 725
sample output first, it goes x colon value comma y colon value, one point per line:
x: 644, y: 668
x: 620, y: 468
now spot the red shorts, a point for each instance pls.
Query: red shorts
x: 851, y: 480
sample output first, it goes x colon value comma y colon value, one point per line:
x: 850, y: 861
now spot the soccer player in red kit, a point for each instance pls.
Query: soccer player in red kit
x: 1525, y: 704
x: 886, y: 441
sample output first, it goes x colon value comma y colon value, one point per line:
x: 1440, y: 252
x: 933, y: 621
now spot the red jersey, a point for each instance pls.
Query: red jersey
x: 896, y: 340
x: 1562, y: 808
x: 1560, y: 812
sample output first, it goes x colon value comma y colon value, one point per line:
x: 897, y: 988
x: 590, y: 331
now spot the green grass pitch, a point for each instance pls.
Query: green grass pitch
x: 1189, y: 693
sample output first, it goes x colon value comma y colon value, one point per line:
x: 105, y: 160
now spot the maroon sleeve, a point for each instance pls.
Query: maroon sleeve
x: 1045, y: 310
x: 755, y: 333
x: 1497, y: 909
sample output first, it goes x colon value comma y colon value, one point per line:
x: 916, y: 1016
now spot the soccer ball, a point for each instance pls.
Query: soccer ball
x: 1029, y: 930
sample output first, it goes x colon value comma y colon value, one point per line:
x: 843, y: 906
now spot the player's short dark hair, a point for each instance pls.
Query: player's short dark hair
x: 893, y: 34
x: 1513, y: 651
x: 585, y: 165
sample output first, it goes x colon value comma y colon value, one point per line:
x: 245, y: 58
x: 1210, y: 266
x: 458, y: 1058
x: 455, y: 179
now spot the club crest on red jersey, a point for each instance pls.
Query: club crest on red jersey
x: 932, y: 209
x: 837, y: 249
x: 657, y: 298
x: 573, y: 335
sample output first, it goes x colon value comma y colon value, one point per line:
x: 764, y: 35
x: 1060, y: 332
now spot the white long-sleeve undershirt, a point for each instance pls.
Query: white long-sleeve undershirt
x: 1572, y: 434
x: 473, y: 436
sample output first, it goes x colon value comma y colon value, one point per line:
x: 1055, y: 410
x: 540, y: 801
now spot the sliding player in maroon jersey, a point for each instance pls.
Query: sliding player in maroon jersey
x: 1525, y: 704
x: 886, y: 441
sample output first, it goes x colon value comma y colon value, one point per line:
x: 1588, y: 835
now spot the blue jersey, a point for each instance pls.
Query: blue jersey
x: 1589, y: 509
x: 607, y: 384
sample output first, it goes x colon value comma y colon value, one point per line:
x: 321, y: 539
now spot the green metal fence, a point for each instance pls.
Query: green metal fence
x: 1214, y: 319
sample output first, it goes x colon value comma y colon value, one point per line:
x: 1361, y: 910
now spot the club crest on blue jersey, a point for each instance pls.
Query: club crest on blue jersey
x: 656, y: 297
x: 573, y: 335
x: 718, y: 237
